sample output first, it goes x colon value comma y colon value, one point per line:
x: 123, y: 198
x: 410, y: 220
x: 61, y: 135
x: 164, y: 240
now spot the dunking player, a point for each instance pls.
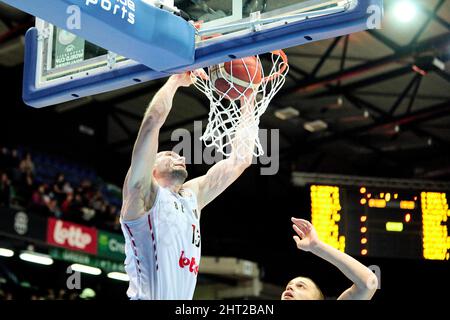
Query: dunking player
x: 364, y: 281
x: 161, y: 212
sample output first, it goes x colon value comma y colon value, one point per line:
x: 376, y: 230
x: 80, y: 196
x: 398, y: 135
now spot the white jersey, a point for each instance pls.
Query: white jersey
x: 163, y: 248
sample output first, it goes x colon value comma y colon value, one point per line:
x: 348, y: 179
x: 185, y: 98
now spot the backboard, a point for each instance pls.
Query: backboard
x: 220, y: 20
x: 61, y: 66
x: 63, y: 57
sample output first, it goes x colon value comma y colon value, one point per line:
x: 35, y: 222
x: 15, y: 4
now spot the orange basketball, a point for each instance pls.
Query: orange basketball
x: 238, y: 77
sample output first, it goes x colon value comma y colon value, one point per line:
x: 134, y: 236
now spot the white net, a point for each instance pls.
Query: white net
x: 238, y: 100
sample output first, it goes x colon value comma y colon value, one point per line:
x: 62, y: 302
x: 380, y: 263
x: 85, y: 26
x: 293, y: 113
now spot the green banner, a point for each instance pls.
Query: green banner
x: 69, y: 49
x: 111, y: 246
x: 76, y: 257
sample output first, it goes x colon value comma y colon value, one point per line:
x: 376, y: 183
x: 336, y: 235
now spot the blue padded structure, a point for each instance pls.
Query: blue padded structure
x: 282, y: 37
x: 90, y: 85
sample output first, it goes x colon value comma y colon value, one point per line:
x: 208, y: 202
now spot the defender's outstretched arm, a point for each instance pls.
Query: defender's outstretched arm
x: 365, y: 282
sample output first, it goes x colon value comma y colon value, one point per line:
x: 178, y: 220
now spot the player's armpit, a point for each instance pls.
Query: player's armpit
x: 215, y: 181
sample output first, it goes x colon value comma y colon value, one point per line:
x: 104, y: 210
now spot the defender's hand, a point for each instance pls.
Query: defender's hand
x: 307, y: 238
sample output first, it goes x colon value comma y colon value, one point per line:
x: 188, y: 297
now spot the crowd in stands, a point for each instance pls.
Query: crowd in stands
x: 43, y: 187
x: 33, y: 293
x: 49, y: 294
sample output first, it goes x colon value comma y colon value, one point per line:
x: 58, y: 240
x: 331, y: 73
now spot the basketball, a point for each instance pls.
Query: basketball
x: 238, y: 77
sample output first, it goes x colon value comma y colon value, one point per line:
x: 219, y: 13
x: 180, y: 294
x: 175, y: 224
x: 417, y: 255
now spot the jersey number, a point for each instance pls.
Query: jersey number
x: 195, y: 236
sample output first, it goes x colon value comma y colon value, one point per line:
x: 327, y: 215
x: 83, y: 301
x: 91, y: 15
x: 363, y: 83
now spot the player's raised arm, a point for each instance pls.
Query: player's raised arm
x: 225, y: 172
x: 364, y: 280
x: 139, y: 176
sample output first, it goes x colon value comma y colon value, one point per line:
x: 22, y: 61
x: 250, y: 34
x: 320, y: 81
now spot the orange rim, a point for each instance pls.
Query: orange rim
x: 280, y: 53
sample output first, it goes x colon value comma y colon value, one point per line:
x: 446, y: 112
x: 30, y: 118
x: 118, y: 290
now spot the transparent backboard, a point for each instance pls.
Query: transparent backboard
x: 63, y: 57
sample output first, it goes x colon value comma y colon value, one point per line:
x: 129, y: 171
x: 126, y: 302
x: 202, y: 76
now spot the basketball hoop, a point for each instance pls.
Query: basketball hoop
x: 239, y: 94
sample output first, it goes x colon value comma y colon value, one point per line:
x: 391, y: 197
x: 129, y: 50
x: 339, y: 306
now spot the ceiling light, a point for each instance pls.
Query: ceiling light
x: 287, y: 113
x: 315, y: 126
x: 36, y: 258
x: 6, y: 252
x: 86, y: 269
x: 405, y: 11
x: 118, y: 276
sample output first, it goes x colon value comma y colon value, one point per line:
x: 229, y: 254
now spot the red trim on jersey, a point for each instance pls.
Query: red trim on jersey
x: 134, y: 247
x: 129, y: 230
x: 153, y: 239
x: 150, y: 223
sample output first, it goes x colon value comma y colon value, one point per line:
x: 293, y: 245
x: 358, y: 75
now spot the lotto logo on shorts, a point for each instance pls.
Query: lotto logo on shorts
x: 184, y: 262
